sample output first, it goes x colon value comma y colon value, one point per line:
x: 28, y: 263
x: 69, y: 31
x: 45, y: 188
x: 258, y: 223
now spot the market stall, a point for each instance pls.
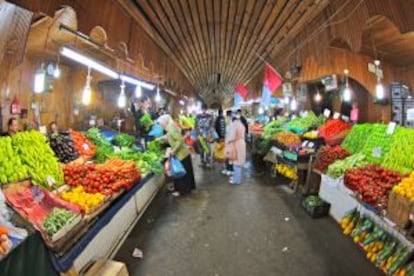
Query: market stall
x: 81, y: 192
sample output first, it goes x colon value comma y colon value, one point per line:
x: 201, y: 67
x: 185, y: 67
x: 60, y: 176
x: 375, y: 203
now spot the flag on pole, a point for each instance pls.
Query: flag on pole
x: 241, y: 90
x: 272, y: 78
x: 272, y: 81
x: 237, y: 99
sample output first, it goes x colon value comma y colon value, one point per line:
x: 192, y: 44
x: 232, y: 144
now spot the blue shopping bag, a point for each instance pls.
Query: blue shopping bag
x: 156, y: 131
x: 177, y: 168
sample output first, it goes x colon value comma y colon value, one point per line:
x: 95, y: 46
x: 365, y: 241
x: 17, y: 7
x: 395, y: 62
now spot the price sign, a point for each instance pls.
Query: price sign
x: 336, y: 115
x: 327, y: 113
x: 391, y: 128
x: 85, y: 147
x: 37, y: 194
x: 376, y: 152
x: 43, y: 130
x: 50, y: 181
x: 92, y: 123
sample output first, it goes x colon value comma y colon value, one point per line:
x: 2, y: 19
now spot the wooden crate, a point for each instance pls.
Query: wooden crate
x: 399, y: 209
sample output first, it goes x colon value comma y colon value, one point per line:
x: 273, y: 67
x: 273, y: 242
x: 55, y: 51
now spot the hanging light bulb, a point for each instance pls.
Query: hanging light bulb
x: 87, y: 91
x: 318, y: 97
x: 293, y: 104
x: 138, y: 91
x: 56, y: 73
x: 122, y: 97
x: 379, y: 91
x: 158, y: 96
x: 260, y: 110
x: 347, y: 90
x: 39, y: 81
x: 181, y: 102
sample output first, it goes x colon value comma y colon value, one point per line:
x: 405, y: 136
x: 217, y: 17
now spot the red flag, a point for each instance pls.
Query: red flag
x: 241, y: 90
x: 272, y: 79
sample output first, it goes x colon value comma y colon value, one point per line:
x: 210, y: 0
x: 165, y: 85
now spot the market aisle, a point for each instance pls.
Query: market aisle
x: 254, y: 229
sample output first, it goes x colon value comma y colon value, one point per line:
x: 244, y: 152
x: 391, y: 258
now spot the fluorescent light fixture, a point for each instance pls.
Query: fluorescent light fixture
x: 69, y: 53
x: 122, y: 97
x: 39, y: 81
x: 379, y: 91
x: 138, y: 91
x: 132, y: 80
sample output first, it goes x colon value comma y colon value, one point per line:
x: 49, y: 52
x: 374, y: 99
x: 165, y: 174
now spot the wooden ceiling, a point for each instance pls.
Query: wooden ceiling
x: 381, y: 38
x: 216, y: 43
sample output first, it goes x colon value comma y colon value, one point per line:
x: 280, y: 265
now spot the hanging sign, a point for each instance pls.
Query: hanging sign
x: 336, y: 115
x: 327, y: 113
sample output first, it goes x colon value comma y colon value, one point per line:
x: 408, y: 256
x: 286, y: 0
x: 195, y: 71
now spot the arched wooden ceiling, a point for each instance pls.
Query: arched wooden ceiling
x: 216, y: 42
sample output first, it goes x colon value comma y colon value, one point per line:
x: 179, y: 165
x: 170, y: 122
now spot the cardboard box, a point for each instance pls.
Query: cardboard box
x: 107, y: 268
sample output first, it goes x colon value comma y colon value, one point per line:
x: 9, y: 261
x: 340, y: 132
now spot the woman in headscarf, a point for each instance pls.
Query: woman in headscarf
x: 237, y: 143
x: 185, y: 184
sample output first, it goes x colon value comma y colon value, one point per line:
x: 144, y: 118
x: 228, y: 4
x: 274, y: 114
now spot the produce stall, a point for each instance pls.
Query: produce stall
x: 81, y: 192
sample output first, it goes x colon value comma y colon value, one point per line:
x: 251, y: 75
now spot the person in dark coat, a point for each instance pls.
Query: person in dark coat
x: 220, y: 125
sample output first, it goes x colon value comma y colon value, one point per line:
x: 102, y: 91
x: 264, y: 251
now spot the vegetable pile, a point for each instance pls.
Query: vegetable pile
x: 406, y: 187
x: 38, y: 158
x: 57, y: 219
x: 400, y: 157
x: 124, y: 140
x: 382, y: 249
x: 11, y: 167
x: 63, y: 147
x: 300, y: 125
x: 273, y: 127
x: 333, y: 130
x: 287, y: 171
x: 356, y: 139
x: 373, y: 183
x: 107, y: 178
x: 338, y: 168
x: 82, y: 145
x: 86, y: 201
x: 328, y: 155
x: 378, y: 144
x: 5, y: 242
x: 288, y: 139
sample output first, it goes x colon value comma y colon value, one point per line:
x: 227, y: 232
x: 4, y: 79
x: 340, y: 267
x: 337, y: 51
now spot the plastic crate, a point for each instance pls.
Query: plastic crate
x: 316, y: 211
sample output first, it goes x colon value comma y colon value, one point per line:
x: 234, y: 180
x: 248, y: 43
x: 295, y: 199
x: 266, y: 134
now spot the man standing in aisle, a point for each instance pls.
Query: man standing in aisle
x: 205, y: 130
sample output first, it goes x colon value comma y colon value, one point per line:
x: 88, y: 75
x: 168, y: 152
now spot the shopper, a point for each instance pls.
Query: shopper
x: 228, y: 149
x: 205, y: 130
x: 243, y: 120
x: 236, y: 142
x: 13, y: 127
x: 53, y: 129
x: 220, y: 125
x: 185, y: 184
